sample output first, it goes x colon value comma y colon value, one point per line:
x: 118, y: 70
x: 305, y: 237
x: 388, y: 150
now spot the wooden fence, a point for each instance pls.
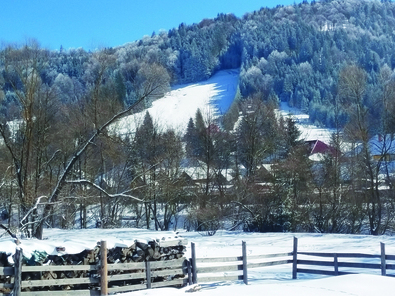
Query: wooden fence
x: 92, y: 280
x: 114, y: 278
x: 237, y: 265
x: 346, y: 261
x: 214, y: 268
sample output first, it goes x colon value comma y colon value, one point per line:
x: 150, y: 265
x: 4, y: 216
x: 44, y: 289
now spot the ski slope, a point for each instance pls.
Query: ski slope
x: 213, y: 97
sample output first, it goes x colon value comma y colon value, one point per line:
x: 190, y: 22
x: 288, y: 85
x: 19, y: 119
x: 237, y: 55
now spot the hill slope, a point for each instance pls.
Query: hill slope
x: 213, y: 97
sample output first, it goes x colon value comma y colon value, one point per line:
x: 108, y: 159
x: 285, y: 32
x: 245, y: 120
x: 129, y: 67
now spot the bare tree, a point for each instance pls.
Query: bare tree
x: 37, y: 148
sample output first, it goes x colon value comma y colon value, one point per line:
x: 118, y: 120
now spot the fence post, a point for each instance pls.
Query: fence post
x: 245, y: 276
x: 189, y: 266
x: 103, y: 269
x: 336, y: 264
x: 148, y: 273
x: 295, y: 259
x: 194, y: 270
x: 17, y: 272
x: 383, y: 263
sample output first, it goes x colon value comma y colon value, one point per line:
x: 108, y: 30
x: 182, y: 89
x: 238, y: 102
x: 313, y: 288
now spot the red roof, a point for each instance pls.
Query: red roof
x: 317, y: 146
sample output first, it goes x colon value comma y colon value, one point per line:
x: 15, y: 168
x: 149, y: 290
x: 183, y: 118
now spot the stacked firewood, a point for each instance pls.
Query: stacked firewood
x: 139, y: 251
x: 4, y: 279
x: 142, y: 251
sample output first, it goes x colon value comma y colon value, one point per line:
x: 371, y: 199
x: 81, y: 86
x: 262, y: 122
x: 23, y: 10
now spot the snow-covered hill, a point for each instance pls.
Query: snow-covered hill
x: 213, y: 97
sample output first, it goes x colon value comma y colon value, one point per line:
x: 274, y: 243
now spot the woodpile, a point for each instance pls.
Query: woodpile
x: 4, y: 279
x: 139, y: 251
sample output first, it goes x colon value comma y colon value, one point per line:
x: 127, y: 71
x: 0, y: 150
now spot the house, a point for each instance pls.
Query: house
x: 317, y: 149
x: 382, y: 147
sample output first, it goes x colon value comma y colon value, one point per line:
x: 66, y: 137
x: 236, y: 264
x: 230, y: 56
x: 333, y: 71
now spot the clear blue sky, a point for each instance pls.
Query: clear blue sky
x: 93, y: 24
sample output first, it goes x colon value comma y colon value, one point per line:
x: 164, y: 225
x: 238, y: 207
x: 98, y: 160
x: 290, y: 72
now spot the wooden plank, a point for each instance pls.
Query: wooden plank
x: 336, y: 264
x: 148, y: 274
x: 317, y: 254
x: 265, y: 264
x: 7, y: 271
x: 126, y: 266
x: 59, y: 268
x: 59, y: 282
x: 193, y: 259
x: 357, y: 255
x: 189, y: 266
x: 360, y: 265
x: 319, y: 263
x: 340, y: 264
x: 390, y: 257
x: 340, y: 255
x: 295, y: 259
x: 103, y: 269
x: 167, y: 272
x: 383, y: 263
x: 128, y: 288
x: 220, y: 268
x: 257, y: 257
x: 62, y: 293
x: 315, y: 271
x: 220, y: 278
x: 391, y: 266
x: 167, y: 263
x: 245, y: 271
x: 219, y: 259
x: 175, y: 282
x: 17, y: 272
x: 126, y: 276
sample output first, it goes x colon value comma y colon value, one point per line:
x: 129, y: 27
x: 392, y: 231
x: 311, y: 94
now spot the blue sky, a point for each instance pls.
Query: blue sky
x: 93, y: 24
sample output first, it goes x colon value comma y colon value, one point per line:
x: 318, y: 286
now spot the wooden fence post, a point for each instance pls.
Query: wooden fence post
x: 295, y: 259
x: 148, y: 273
x: 336, y: 264
x: 194, y: 270
x: 103, y: 269
x: 189, y: 266
x: 383, y: 262
x: 17, y: 272
x: 245, y: 276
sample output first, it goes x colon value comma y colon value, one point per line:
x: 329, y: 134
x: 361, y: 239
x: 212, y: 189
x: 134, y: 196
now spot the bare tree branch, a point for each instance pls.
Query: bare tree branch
x: 10, y: 233
x: 87, y: 182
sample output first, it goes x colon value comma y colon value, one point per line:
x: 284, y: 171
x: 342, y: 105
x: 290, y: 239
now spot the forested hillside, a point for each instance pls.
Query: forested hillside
x: 293, y: 53
x: 333, y: 59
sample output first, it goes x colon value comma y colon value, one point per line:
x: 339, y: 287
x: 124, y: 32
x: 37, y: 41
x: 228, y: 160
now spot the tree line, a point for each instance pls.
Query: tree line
x: 294, y: 53
x: 63, y: 167
x: 60, y: 161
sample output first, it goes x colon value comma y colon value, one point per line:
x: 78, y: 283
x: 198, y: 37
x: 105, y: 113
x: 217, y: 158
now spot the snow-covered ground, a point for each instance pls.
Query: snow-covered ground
x: 274, y: 280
